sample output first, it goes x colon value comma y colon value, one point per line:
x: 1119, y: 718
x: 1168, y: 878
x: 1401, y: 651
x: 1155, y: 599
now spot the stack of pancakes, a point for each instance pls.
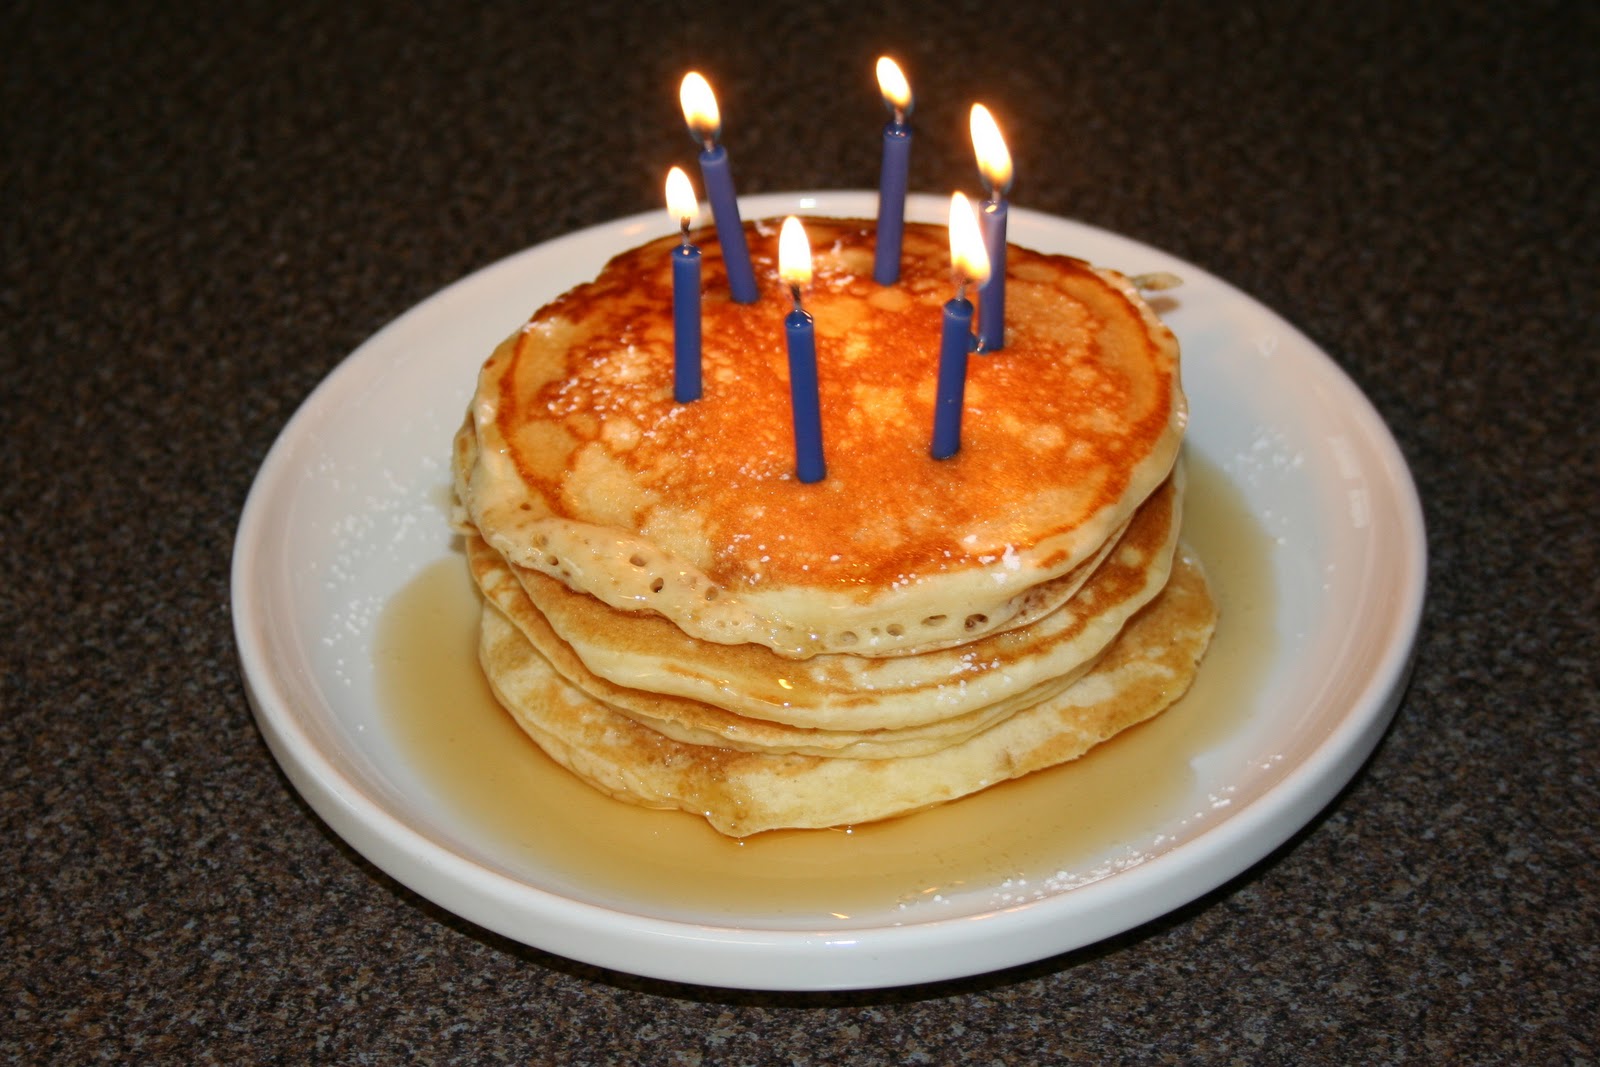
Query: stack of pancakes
x: 677, y: 619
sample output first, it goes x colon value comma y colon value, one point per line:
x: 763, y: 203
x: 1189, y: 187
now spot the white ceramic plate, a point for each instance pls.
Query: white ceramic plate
x: 349, y: 506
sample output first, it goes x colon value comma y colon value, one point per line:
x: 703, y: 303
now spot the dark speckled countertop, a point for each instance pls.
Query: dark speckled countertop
x: 204, y: 212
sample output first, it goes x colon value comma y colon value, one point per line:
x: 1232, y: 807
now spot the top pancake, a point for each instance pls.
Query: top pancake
x: 576, y: 461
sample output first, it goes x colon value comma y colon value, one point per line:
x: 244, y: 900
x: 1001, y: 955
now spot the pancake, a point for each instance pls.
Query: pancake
x: 674, y: 617
x: 747, y: 696
x: 1150, y: 665
x: 576, y: 462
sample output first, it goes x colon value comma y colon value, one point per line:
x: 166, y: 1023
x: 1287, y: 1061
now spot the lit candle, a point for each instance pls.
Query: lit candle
x: 705, y: 125
x: 969, y: 263
x: 684, y: 209
x: 794, y: 267
x: 892, y: 173
x: 994, y: 164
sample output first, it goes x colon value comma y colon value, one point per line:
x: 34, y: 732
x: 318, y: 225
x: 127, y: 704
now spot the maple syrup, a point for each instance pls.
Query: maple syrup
x: 1018, y: 839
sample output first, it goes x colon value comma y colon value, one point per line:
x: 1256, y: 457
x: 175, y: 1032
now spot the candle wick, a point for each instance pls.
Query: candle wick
x: 685, y: 225
x: 709, y: 143
x: 794, y: 293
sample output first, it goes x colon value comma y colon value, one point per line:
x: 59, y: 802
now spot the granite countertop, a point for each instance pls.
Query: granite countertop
x: 205, y: 212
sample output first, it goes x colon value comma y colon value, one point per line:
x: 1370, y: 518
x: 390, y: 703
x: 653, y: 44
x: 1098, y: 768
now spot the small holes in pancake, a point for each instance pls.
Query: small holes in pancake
x: 552, y: 562
x: 637, y: 560
x: 847, y: 638
x: 658, y: 585
x: 896, y: 630
x: 975, y: 621
x: 935, y: 620
x: 711, y: 592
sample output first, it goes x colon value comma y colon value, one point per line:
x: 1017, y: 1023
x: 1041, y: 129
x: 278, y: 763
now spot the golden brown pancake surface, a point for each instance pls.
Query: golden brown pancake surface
x: 576, y: 461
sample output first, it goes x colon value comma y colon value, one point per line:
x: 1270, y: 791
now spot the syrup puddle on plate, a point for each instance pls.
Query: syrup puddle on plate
x: 1019, y: 840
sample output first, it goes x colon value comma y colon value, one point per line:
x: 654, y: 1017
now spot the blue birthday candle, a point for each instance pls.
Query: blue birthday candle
x: 794, y: 267
x: 994, y: 164
x: 684, y: 209
x: 969, y: 262
x: 705, y: 126
x: 893, y: 172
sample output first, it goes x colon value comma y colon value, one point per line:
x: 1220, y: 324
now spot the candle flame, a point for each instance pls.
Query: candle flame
x: 969, y: 258
x: 994, y: 158
x: 894, y: 87
x: 700, y: 108
x: 681, y: 202
x: 794, y: 253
